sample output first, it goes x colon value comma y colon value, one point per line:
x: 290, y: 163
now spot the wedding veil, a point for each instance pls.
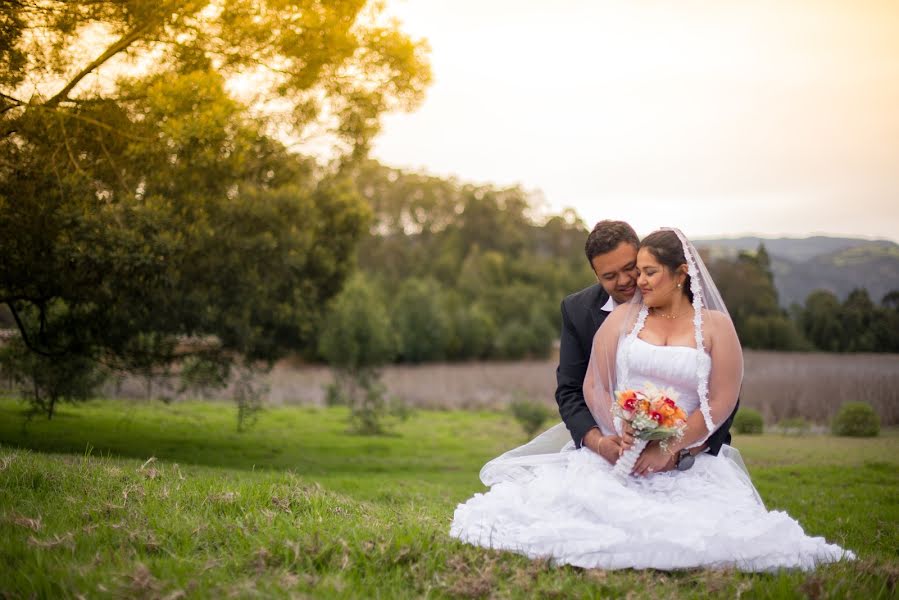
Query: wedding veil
x: 719, y: 376
x: 720, y: 364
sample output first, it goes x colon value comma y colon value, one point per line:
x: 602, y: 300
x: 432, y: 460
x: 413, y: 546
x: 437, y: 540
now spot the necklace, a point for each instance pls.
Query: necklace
x: 667, y: 316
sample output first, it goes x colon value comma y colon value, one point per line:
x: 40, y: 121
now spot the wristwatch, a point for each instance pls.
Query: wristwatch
x: 685, y: 460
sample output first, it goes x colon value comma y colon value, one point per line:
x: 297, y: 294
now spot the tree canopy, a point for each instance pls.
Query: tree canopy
x: 150, y: 191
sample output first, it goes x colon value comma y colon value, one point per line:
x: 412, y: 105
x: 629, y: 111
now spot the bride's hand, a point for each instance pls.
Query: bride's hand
x: 653, y: 460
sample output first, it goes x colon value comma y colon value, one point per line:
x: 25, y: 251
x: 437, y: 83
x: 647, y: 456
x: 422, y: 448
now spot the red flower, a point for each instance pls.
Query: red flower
x: 670, y: 402
x: 630, y: 404
x: 656, y: 416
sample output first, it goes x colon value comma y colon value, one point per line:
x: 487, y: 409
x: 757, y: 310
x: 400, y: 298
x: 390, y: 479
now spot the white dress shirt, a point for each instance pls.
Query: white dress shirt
x: 610, y: 305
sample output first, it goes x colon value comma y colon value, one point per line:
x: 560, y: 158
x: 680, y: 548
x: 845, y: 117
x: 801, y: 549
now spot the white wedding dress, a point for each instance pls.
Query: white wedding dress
x: 552, y: 501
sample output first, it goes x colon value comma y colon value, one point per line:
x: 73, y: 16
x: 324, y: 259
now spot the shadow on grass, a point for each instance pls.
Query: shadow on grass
x: 304, y: 441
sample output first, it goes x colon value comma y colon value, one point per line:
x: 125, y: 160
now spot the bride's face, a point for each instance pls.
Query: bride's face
x: 657, y: 283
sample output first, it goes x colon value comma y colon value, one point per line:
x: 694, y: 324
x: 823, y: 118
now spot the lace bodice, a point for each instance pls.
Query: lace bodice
x: 680, y: 364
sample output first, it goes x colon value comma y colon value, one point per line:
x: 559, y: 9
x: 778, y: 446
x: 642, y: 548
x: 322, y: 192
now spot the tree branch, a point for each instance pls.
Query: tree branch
x: 14, y: 103
x: 65, y: 139
x: 24, y: 333
x: 120, y: 45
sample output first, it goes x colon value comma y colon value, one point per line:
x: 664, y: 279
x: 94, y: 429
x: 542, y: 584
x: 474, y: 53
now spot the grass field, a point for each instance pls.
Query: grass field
x: 124, y: 499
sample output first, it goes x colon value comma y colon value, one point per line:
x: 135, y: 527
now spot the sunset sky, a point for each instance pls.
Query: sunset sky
x: 717, y: 116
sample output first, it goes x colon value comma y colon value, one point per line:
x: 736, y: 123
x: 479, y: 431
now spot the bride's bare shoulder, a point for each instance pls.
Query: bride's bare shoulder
x: 716, y: 322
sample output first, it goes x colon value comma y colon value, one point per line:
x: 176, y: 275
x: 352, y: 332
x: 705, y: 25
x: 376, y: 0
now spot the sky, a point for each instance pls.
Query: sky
x: 717, y: 116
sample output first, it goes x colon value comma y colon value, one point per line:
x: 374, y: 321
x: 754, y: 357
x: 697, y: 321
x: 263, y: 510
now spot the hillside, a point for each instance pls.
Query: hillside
x: 802, y: 265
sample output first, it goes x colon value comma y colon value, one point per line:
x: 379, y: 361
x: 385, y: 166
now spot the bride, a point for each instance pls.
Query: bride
x: 550, y: 500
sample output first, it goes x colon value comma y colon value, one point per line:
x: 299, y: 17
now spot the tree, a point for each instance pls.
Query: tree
x: 890, y: 300
x: 159, y: 206
x: 747, y: 287
x: 821, y: 322
x: 857, y: 316
x: 472, y: 331
x: 422, y: 327
x: 46, y: 381
x: 885, y: 327
x: 357, y: 339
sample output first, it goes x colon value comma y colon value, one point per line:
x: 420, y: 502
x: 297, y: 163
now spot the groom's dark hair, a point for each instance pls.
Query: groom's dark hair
x: 606, y: 236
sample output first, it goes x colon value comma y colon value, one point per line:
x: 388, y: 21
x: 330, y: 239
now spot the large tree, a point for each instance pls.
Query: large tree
x: 147, y: 190
x: 747, y: 286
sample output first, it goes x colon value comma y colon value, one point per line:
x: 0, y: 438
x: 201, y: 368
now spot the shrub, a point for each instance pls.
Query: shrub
x: 530, y: 415
x: 749, y: 421
x: 856, y: 419
x: 356, y: 339
x: 795, y: 426
x: 333, y: 395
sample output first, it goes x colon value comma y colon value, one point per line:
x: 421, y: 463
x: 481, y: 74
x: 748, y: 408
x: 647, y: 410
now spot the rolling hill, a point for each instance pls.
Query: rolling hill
x: 802, y: 265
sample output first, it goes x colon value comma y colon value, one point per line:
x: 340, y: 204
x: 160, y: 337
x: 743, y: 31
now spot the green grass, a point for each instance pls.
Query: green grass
x: 298, y: 507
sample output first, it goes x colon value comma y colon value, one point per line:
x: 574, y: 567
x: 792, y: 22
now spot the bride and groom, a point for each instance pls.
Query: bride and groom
x: 654, y: 320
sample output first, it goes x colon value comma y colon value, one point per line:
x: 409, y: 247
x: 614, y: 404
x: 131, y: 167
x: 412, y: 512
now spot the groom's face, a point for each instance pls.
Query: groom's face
x: 616, y: 271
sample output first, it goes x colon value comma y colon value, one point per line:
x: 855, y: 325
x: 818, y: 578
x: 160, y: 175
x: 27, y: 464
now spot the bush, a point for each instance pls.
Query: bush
x: 856, y: 419
x: 794, y: 426
x: 333, y: 395
x: 749, y: 421
x: 356, y: 339
x: 372, y: 411
x: 530, y: 415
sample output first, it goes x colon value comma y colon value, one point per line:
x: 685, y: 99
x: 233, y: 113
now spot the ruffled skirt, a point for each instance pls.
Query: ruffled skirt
x: 568, y: 507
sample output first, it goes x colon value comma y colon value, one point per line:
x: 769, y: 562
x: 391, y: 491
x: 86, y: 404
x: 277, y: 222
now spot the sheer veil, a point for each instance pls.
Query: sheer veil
x: 719, y: 371
x: 720, y: 367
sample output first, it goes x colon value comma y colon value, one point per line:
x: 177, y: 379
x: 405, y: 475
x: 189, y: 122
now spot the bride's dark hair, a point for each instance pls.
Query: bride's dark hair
x: 667, y: 248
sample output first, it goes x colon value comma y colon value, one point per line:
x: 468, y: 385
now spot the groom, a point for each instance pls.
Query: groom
x: 611, y: 249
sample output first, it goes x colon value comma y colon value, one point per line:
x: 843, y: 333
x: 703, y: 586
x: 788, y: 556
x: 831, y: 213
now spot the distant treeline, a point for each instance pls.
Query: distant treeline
x: 822, y: 323
x: 464, y: 272
x: 454, y: 271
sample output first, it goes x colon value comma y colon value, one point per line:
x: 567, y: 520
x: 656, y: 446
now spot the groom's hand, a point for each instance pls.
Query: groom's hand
x: 607, y: 446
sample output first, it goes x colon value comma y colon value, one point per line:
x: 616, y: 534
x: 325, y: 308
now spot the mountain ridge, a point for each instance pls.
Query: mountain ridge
x: 803, y: 265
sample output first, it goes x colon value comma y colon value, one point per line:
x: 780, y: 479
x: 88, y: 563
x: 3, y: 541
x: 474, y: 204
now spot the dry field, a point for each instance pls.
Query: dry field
x: 780, y: 385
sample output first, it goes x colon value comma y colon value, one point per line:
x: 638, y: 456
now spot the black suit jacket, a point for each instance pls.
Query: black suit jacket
x: 582, y: 315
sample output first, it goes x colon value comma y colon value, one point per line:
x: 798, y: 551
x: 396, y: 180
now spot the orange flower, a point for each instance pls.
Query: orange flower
x: 627, y: 399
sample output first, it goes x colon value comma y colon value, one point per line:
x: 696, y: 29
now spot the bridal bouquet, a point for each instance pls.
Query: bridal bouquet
x: 653, y: 414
